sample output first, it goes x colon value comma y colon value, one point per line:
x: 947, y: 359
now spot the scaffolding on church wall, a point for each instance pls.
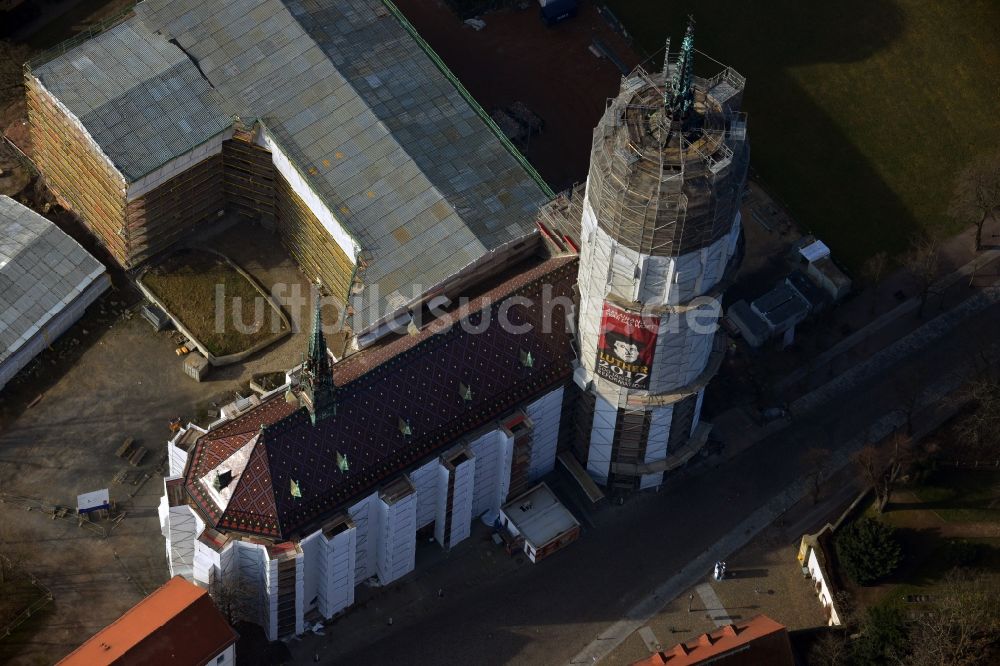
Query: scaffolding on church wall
x: 659, y: 228
x: 660, y: 188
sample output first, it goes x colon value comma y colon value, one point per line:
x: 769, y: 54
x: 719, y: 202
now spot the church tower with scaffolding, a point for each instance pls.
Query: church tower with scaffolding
x: 661, y: 237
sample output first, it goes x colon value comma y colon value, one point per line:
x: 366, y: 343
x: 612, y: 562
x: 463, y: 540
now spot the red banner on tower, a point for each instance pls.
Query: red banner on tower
x: 626, y: 347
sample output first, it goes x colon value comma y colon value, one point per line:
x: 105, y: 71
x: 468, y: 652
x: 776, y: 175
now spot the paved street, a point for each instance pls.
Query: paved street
x: 575, y: 606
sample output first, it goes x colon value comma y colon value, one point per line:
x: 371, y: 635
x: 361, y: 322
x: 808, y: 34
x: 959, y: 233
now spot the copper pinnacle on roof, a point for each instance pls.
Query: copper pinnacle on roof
x: 680, y: 95
x: 318, y: 372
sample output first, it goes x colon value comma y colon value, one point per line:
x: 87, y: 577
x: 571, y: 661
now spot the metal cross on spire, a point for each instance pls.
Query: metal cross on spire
x: 680, y: 93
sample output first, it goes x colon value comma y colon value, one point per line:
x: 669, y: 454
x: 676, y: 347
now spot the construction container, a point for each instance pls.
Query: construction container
x: 196, y: 366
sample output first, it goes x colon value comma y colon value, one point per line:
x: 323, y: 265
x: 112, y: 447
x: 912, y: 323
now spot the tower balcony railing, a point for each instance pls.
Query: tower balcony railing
x: 728, y: 75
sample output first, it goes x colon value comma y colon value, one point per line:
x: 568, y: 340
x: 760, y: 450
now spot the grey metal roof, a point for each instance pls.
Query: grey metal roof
x: 807, y: 289
x: 745, y: 318
x: 371, y: 123
x: 139, y: 96
x: 781, y: 307
x: 41, y: 271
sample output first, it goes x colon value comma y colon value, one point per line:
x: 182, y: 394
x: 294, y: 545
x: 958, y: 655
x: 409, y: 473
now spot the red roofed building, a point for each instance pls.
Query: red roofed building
x: 324, y: 484
x: 759, y: 640
x: 599, y: 339
x: 177, y: 624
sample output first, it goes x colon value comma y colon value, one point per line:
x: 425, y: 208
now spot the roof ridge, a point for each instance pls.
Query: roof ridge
x: 460, y: 313
x: 266, y: 489
x: 121, y: 619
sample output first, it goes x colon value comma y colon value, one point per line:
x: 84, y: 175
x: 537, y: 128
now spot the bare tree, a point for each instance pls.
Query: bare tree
x: 830, y: 649
x: 978, y: 430
x: 847, y: 607
x: 873, y: 272
x: 963, y: 625
x: 923, y: 262
x: 910, y: 388
x: 977, y: 193
x: 814, y: 466
x: 881, y: 465
x: 234, y: 596
x: 982, y: 350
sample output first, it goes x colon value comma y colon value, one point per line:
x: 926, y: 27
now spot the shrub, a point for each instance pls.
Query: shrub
x: 883, y: 637
x: 868, y: 551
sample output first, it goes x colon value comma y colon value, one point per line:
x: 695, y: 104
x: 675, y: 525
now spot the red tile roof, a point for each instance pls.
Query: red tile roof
x: 759, y: 640
x: 414, y: 377
x: 176, y: 624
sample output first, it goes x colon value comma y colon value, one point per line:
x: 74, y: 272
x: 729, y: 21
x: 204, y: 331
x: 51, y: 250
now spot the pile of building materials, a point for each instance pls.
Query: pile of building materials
x: 132, y: 452
x: 196, y: 366
x: 518, y: 122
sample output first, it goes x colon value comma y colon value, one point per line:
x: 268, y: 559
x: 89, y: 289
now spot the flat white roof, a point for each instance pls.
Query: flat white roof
x: 93, y: 499
x: 539, y: 516
x: 815, y: 250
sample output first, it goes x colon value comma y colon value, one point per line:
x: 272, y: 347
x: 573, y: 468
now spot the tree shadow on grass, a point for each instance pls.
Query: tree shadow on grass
x: 820, y: 172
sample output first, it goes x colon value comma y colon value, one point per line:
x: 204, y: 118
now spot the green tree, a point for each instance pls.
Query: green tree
x: 868, y: 551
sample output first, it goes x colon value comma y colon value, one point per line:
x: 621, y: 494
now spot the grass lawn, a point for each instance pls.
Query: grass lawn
x: 939, y: 523
x: 962, y: 496
x: 187, y: 283
x: 860, y: 112
x: 927, y: 558
x: 926, y: 568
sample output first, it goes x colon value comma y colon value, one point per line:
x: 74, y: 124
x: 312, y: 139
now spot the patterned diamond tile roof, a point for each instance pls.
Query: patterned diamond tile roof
x: 415, y: 378
x: 41, y: 271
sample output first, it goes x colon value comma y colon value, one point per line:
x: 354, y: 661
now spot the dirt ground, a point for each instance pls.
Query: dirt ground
x: 120, y: 379
x: 770, y: 233
x: 516, y: 58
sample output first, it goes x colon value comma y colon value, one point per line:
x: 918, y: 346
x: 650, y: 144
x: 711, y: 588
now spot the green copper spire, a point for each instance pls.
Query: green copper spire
x: 680, y: 96
x: 317, y: 373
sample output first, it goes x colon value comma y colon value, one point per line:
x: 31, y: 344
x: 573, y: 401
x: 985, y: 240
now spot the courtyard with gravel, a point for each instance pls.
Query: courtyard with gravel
x: 111, y: 378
